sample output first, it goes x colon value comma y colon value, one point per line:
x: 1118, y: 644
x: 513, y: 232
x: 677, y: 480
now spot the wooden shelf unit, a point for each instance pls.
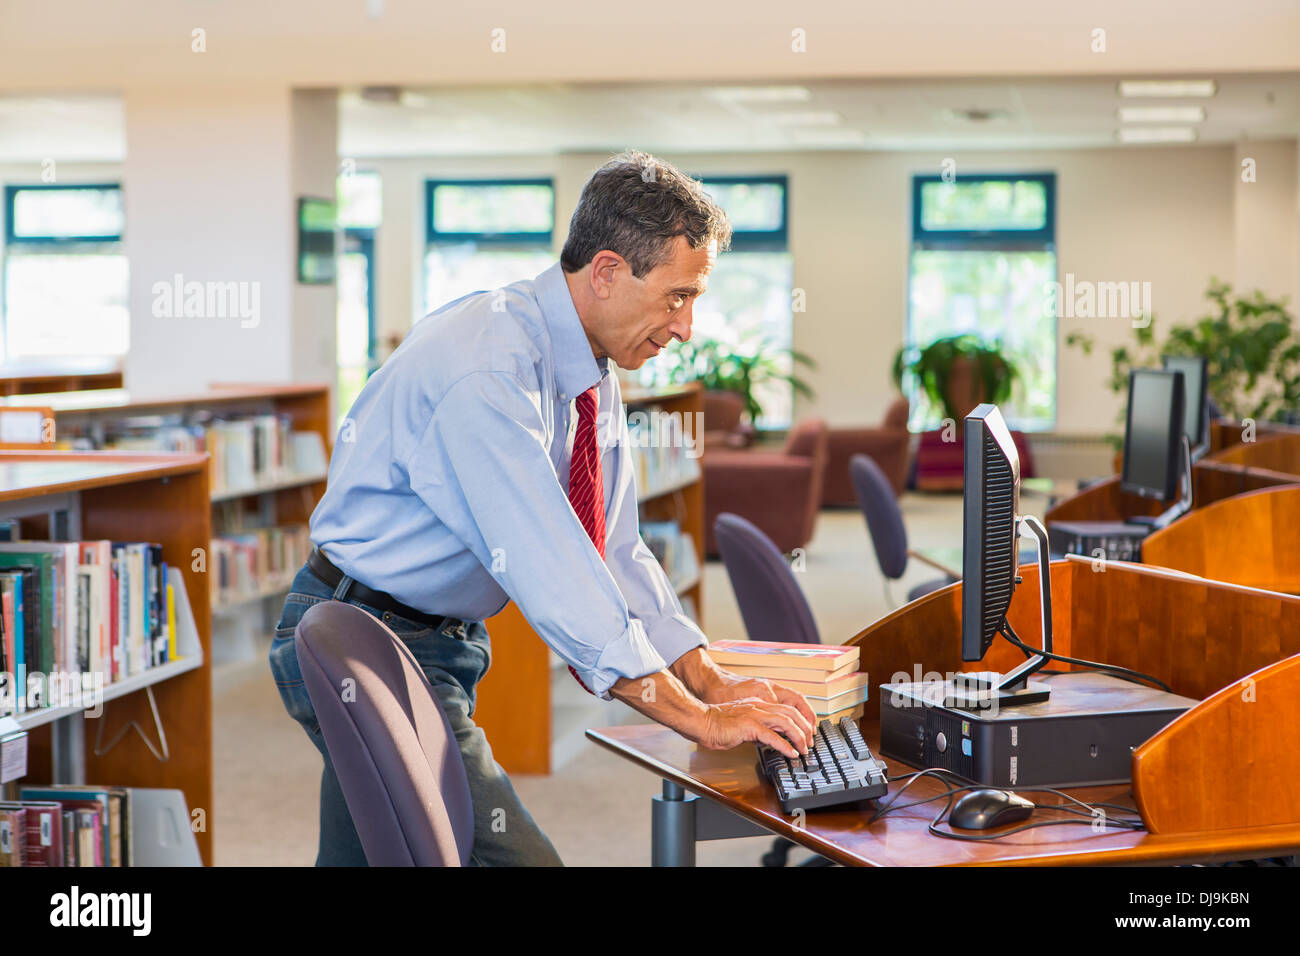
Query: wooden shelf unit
x: 126, y: 496
x: 59, y: 375
x: 287, y: 500
x: 514, y: 699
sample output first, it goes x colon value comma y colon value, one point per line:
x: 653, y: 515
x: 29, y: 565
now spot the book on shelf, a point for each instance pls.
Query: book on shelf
x: 664, y: 453
x: 40, y: 840
x: 246, y: 450
x: 250, y: 563
x: 674, y: 549
x: 75, y: 616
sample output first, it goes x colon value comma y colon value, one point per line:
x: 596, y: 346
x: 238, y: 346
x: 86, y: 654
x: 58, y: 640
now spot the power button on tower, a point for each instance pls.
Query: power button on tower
x: 940, y: 742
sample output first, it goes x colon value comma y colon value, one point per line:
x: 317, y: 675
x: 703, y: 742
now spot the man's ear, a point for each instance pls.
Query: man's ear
x: 605, y: 267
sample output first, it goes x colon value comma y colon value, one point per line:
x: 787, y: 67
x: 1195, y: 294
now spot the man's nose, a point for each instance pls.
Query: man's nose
x: 681, y: 324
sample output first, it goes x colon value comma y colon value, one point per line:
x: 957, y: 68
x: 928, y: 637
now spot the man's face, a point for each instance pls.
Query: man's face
x: 644, y: 315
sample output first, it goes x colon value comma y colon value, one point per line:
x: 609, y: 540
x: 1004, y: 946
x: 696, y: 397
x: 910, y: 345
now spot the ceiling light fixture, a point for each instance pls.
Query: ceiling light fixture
x: 1168, y: 88
x: 1162, y: 114
x: 1157, y: 134
x: 809, y: 118
x: 761, y: 94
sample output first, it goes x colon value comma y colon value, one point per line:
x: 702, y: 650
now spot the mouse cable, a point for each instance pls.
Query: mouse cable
x: 1007, y: 631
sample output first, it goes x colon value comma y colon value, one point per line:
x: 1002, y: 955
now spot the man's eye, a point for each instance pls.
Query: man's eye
x: 676, y: 301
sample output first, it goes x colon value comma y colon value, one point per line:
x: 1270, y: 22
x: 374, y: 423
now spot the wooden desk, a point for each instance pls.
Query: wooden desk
x: 1201, y: 637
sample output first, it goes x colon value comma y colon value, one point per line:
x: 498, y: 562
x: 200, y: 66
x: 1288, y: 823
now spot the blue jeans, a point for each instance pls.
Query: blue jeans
x: 454, y: 658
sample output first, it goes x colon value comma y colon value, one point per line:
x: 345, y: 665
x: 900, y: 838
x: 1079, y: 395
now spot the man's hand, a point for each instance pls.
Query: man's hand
x: 715, y: 685
x: 734, y: 722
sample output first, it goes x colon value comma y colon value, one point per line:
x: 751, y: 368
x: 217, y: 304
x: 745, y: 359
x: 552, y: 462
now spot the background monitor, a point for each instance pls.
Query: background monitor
x: 1195, y: 393
x: 1153, y: 434
x: 990, y: 508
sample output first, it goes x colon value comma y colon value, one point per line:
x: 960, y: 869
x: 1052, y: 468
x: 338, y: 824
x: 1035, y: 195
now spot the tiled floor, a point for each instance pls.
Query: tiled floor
x: 594, y: 806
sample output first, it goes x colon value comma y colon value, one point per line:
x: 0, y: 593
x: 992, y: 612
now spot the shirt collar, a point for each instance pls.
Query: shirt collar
x: 576, y: 369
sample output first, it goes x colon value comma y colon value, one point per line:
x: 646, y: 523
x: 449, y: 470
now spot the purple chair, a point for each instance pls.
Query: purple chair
x: 772, y: 606
x: 397, y: 761
x: 771, y: 602
x: 879, y: 506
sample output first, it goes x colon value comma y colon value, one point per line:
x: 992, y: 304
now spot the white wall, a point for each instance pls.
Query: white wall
x: 1167, y: 216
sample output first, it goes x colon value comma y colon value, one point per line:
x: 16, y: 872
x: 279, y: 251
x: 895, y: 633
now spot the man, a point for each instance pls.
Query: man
x: 488, y: 460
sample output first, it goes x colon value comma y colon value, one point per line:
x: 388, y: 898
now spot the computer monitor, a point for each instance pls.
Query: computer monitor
x: 1196, y: 417
x: 1153, y: 434
x: 990, y: 562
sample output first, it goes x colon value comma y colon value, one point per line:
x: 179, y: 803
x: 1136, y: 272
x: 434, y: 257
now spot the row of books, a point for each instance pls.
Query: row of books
x: 246, y: 451
x: 664, y: 453
x: 66, y: 825
x: 826, y: 674
x: 674, y: 549
x: 80, y: 613
x: 253, y: 562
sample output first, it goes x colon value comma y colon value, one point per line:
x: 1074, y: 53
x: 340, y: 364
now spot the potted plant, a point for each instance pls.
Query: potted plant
x: 740, y: 368
x: 1251, y: 347
x: 956, y: 373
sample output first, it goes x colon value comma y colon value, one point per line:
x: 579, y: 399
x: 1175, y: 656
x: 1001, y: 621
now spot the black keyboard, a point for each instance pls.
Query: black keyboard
x: 839, y: 768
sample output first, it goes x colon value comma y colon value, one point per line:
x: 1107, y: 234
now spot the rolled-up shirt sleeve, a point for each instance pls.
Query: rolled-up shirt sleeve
x: 483, y: 467
x: 649, y: 594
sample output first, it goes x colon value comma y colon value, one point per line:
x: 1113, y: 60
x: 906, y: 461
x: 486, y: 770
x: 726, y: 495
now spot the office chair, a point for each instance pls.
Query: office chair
x: 773, y: 607
x: 397, y: 761
x: 885, y: 525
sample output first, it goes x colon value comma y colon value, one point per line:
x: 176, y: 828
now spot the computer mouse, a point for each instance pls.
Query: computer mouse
x: 985, y: 809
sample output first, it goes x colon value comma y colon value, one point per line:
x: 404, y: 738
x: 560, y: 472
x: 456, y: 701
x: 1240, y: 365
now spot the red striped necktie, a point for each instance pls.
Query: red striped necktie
x: 586, y: 483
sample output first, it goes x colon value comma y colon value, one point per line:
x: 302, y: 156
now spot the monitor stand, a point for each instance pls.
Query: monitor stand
x: 1180, y: 507
x: 986, y: 690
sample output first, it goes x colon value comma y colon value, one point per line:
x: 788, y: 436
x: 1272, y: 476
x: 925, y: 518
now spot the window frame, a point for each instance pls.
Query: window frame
x: 988, y: 240
x: 11, y: 198
x: 432, y: 236
x: 1009, y: 239
x: 758, y: 240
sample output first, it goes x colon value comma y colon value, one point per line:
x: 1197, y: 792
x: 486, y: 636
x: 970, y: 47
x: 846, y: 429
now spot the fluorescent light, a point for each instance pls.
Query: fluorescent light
x: 761, y: 94
x: 1157, y: 134
x: 808, y: 118
x: 1161, y: 114
x: 827, y: 137
x: 1168, y: 88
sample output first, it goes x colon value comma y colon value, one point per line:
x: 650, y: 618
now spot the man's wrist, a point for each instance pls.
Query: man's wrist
x: 700, y: 674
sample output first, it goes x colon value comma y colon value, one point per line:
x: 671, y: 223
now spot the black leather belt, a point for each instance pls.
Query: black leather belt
x: 324, y: 569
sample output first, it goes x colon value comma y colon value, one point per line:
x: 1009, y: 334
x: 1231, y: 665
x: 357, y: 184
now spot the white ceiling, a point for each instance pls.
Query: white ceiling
x: 870, y: 115
x: 679, y: 117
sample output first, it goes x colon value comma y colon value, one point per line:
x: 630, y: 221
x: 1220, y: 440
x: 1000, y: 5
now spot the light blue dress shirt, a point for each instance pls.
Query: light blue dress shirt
x: 448, y: 485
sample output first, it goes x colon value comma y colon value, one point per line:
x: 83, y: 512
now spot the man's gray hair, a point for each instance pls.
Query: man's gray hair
x: 636, y: 205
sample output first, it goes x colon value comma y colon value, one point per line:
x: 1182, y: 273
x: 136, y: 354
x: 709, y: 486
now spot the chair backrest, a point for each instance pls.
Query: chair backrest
x: 771, y: 602
x: 398, y: 763
x: 811, y: 439
x: 722, y: 410
x: 884, y: 518
x: 897, y: 414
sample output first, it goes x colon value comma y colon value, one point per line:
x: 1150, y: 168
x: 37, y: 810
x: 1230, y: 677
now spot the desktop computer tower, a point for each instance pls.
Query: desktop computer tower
x: 1116, y: 540
x: 1082, y: 735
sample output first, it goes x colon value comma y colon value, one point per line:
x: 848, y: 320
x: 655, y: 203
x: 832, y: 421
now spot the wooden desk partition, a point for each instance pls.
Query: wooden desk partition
x: 1232, y: 761
x: 1212, y: 481
x: 1274, y: 451
x: 1248, y: 539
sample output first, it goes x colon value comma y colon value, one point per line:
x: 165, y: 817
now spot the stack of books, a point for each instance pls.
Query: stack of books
x: 826, y: 674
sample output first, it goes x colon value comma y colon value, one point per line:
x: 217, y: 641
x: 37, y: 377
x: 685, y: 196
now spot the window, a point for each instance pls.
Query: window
x: 983, y: 251
x: 65, y: 273
x: 484, y: 234
x: 360, y: 212
x: 748, y: 306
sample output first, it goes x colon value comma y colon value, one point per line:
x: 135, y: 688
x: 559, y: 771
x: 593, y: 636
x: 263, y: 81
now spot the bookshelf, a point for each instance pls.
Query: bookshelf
x: 59, y: 375
x: 514, y: 699
x: 277, y: 500
x: 121, y: 496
